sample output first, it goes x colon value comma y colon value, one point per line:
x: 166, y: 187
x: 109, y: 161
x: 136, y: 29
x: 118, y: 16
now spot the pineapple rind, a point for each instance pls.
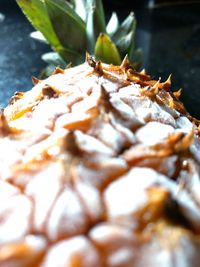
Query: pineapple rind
x: 99, y: 166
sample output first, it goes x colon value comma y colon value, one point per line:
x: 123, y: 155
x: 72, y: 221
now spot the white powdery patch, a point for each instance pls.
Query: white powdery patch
x: 184, y: 124
x: 122, y: 107
x: 47, y: 111
x: 67, y: 217
x: 133, y: 89
x: 90, y: 144
x: 7, y: 190
x: 10, y: 154
x: 124, y: 197
x: 134, y: 184
x: 195, y: 148
x: 44, y: 189
x: 153, y: 133
x: 145, y: 109
x: 116, y: 242
x: 90, y: 196
x: 15, y: 214
x: 78, y: 250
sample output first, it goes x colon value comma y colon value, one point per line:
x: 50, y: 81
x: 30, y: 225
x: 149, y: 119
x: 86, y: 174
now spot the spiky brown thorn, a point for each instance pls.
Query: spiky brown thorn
x: 125, y: 63
x: 48, y: 91
x: 178, y: 93
x: 58, y: 70
x: 143, y: 72
x: 4, y: 126
x: 156, y: 86
x: 98, y: 68
x: 90, y: 60
x: 35, y: 80
x: 17, y: 96
x: 167, y: 84
x: 69, y: 65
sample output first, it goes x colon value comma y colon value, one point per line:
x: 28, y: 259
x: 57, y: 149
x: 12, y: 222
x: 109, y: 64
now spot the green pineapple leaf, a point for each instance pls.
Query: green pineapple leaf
x: 99, y: 17
x: 53, y: 58
x: 136, y: 58
x: 95, y: 23
x: 72, y: 27
x: 113, y: 24
x: 37, y: 35
x: 71, y: 56
x: 124, y: 36
x: 126, y: 26
x: 35, y: 11
x: 80, y: 8
x: 126, y: 43
x: 68, y: 26
x: 106, y: 50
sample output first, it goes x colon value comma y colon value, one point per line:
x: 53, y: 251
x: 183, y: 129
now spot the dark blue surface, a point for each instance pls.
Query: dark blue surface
x: 19, y: 54
x: 169, y: 36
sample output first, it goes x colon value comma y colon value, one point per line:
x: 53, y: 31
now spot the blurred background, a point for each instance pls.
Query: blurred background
x: 167, y: 31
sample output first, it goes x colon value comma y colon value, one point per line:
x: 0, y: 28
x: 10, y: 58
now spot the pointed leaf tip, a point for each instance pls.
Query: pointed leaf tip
x: 36, y: 13
x: 37, y: 35
x: 95, y: 22
x: 113, y: 24
x: 81, y: 8
x: 106, y: 51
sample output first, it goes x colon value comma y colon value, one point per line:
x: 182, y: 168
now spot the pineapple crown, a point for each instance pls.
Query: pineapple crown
x: 73, y: 27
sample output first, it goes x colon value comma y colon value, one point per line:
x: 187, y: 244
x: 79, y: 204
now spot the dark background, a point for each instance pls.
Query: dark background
x: 169, y: 35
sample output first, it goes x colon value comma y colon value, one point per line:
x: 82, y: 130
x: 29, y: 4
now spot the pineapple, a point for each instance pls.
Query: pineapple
x: 99, y: 167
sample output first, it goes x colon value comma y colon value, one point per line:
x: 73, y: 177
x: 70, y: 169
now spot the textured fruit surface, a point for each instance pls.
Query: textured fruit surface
x: 99, y: 167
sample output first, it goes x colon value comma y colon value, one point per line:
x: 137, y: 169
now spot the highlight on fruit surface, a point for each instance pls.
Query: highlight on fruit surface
x: 99, y: 166
x: 73, y: 27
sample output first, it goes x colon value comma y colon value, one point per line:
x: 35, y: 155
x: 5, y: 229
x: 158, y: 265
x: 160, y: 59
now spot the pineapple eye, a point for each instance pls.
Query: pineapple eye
x: 48, y: 92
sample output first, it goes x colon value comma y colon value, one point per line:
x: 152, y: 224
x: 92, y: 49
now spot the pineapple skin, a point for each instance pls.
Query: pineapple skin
x: 99, y: 167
